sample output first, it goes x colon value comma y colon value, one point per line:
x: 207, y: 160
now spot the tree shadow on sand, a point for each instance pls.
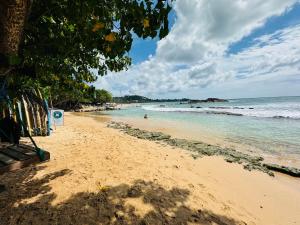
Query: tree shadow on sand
x: 111, y: 205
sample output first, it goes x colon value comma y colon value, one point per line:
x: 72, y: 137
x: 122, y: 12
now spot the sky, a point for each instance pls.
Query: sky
x: 217, y: 48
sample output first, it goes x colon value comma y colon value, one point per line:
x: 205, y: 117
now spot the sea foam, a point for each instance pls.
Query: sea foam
x: 278, y: 111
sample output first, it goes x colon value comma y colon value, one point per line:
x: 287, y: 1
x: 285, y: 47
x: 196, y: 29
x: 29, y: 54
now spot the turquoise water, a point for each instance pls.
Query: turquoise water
x: 270, y: 124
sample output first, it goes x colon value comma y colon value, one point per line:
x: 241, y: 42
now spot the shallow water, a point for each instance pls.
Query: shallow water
x: 268, y: 125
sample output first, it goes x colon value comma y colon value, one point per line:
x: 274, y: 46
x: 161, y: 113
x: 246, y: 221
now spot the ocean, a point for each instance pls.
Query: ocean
x: 268, y: 126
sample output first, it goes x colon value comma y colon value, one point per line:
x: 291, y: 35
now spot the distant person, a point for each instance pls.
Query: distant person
x: 146, y: 116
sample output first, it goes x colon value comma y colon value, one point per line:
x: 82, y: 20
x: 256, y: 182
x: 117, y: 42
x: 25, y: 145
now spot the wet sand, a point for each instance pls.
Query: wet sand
x: 187, y: 131
x: 98, y: 175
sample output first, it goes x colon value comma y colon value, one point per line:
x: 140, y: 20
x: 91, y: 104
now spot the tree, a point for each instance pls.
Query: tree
x: 63, y: 40
x: 102, y: 96
x: 13, y: 14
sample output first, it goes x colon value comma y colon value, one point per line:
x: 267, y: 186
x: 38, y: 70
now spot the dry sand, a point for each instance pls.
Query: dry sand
x: 97, y: 175
x: 195, y: 132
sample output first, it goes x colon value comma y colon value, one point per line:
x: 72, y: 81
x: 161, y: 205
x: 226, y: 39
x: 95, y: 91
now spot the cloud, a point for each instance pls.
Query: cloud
x: 275, y: 53
x: 194, y: 56
x: 205, y: 28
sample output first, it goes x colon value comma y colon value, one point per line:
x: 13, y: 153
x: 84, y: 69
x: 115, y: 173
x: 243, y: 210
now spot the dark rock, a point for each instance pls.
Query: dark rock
x: 134, y: 192
x: 208, y: 100
x: 283, y: 169
x: 202, y: 149
x: 195, y: 156
x: 219, y: 107
x: 231, y: 160
x: 224, y: 113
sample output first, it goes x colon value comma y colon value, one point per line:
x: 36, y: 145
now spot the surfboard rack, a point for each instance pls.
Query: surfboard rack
x: 15, y: 157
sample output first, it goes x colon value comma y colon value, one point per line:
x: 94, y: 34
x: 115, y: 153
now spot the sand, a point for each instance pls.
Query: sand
x: 188, y: 131
x: 97, y: 175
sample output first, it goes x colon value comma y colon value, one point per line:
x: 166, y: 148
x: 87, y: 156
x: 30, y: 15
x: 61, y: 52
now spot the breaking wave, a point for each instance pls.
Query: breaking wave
x: 270, y: 111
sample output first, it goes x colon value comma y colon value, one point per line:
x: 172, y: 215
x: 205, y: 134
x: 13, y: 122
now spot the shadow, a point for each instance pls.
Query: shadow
x: 142, y: 203
x: 21, y: 185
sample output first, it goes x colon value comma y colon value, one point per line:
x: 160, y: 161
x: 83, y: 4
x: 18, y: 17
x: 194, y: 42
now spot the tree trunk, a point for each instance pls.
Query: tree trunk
x: 13, y: 14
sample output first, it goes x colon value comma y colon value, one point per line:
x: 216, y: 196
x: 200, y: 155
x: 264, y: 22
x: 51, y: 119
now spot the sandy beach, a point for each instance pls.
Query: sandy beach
x: 98, y: 175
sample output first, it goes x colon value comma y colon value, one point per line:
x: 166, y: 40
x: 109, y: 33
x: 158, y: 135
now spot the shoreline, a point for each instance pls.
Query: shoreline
x: 188, y: 131
x: 97, y: 108
x: 98, y: 174
x: 200, y: 149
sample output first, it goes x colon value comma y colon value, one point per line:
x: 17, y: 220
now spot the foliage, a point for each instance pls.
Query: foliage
x: 131, y: 99
x: 67, y: 42
x: 102, y: 96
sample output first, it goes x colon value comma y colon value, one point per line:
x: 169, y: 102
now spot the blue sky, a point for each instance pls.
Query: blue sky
x: 141, y: 49
x: 290, y: 18
x: 218, y: 48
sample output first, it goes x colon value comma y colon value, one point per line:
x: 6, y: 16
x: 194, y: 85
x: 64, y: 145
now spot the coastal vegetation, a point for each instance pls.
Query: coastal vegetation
x: 173, y: 161
x: 142, y: 99
x: 54, y: 50
x: 72, y: 100
x: 102, y: 96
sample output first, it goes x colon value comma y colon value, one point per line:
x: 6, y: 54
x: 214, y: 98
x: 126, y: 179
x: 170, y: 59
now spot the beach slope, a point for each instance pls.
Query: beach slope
x: 98, y: 175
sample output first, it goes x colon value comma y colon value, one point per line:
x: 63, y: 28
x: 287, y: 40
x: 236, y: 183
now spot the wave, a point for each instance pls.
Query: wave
x: 265, y: 112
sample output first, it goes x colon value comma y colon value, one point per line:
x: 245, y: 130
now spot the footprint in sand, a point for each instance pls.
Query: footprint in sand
x: 226, y: 208
x: 202, y: 186
x: 211, y: 197
x: 191, y: 185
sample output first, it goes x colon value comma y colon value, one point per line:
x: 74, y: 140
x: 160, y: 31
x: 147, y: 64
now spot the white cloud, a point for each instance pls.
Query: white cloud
x: 205, y: 28
x: 193, y: 55
x: 275, y: 53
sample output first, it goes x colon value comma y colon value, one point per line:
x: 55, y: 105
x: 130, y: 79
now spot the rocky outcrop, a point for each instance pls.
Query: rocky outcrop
x: 90, y: 109
x: 224, y: 113
x: 200, y: 149
x: 283, y: 169
x: 207, y: 100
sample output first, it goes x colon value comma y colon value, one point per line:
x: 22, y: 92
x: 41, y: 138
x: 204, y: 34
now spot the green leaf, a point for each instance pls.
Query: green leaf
x: 62, y: 49
x: 14, y: 60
